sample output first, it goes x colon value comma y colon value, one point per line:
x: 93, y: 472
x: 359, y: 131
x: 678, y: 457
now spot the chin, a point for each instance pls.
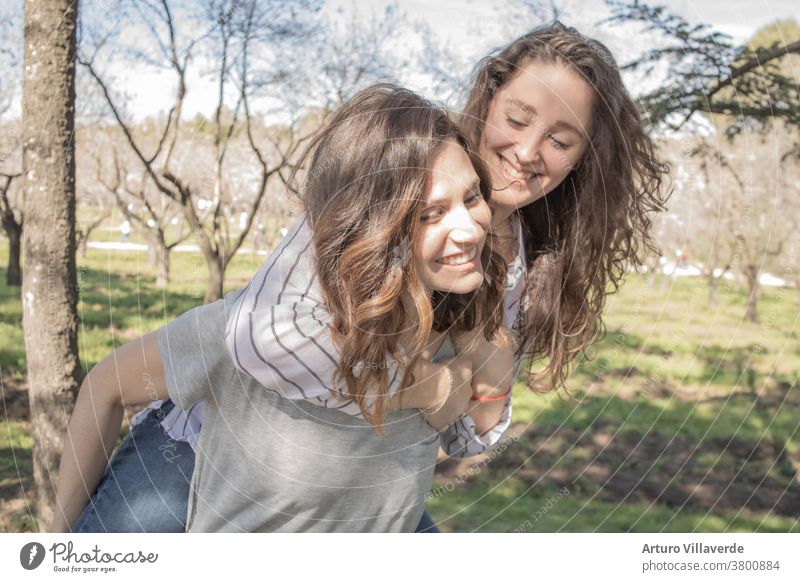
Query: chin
x: 516, y: 195
x: 462, y: 286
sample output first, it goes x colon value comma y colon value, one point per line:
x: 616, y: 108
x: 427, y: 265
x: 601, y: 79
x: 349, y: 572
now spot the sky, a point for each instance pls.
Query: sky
x: 471, y: 28
x: 474, y: 27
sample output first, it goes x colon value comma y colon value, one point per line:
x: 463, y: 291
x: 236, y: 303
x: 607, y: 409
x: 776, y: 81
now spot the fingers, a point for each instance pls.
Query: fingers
x: 456, y: 396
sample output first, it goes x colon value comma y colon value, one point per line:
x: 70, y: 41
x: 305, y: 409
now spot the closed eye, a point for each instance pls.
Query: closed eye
x: 558, y: 143
x: 431, y: 214
x: 474, y: 198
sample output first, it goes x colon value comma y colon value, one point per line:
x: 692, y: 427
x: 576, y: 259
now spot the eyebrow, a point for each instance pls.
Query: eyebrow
x: 531, y: 111
x: 475, y: 185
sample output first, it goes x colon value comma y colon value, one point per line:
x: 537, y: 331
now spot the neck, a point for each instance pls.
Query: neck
x: 501, y: 215
x: 504, y: 233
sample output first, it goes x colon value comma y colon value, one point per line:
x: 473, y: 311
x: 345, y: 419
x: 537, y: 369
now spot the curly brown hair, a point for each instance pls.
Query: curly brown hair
x: 581, y: 238
x: 367, y: 178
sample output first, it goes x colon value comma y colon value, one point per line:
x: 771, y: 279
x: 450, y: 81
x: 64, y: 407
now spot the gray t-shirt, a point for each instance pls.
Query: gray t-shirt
x: 266, y: 463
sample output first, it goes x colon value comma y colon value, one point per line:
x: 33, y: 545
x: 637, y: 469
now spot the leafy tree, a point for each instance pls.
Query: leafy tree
x: 707, y: 72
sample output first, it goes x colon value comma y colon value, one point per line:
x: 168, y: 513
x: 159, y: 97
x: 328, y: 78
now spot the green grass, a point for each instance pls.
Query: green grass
x: 16, y: 477
x: 682, y: 418
x: 699, y: 420
x: 510, y: 506
x: 118, y: 300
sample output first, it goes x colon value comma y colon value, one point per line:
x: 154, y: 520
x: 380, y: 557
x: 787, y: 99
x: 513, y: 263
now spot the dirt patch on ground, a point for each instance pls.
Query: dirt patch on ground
x: 724, y: 474
x: 14, y: 404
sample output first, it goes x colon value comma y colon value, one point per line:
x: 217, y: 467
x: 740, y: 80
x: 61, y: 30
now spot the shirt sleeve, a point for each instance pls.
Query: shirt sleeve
x: 460, y: 439
x: 194, y: 355
x: 278, y: 331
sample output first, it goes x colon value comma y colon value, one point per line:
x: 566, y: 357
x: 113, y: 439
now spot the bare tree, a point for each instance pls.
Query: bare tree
x: 10, y: 142
x: 449, y: 66
x: 346, y: 55
x: 717, y: 220
x: 49, y: 291
x: 342, y: 57
x: 230, y: 35
x: 85, y: 231
x: 700, y: 215
x: 143, y: 205
x: 754, y: 185
x: 12, y: 221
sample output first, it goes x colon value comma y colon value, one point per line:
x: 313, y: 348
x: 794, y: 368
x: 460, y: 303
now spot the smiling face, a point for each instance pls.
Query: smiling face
x: 535, y: 133
x: 453, y: 225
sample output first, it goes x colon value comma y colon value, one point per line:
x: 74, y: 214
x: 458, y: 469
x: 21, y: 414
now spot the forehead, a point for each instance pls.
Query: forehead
x: 451, y: 172
x: 553, y: 91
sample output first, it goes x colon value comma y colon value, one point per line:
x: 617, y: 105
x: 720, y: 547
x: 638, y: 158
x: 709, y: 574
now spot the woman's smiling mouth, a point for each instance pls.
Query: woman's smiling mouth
x: 459, y: 259
x: 515, y: 173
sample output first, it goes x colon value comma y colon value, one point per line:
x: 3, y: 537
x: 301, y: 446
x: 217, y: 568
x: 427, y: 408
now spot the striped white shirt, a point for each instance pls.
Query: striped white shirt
x: 278, y: 332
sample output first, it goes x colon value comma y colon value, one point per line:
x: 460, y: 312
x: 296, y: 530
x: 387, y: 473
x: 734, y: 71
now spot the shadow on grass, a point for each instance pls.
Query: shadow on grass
x: 109, y: 297
x: 627, y: 466
x: 129, y: 303
x: 727, y: 365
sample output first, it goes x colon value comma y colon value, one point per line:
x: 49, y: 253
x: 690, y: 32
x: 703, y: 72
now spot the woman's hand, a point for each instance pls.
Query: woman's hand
x: 493, y: 361
x: 493, y: 364
x: 452, y: 398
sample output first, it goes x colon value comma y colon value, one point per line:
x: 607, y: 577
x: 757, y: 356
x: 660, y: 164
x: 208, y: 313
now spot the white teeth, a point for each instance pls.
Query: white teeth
x: 512, y: 172
x: 459, y: 259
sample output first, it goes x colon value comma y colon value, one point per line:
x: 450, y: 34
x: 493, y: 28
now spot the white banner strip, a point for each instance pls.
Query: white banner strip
x: 353, y: 557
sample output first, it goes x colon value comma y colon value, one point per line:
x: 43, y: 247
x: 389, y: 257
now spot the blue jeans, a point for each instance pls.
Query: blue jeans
x: 146, y: 486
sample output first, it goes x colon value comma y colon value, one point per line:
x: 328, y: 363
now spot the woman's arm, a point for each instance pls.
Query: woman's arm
x: 133, y: 374
x: 442, y: 391
x: 493, y: 365
x: 289, y: 348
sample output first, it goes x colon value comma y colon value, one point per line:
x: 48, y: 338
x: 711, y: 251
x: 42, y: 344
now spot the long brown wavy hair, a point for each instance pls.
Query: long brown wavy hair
x: 367, y: 178
x: 582, y: 237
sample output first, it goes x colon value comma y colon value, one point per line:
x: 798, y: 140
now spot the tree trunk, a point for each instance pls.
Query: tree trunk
x: 152, y: 252
x: 162, y: 279
x: 158, y: 257
x: 216, y: 274
x: 753, y: 293
x: 713, y: 291
x: 13, y: 230
x: 14, y: 272
x: 83, y: 244
x: 49, y: 291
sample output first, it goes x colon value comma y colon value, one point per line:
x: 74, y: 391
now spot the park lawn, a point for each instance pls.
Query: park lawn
x: 511, y: 506
x: 16, y: 477
x: 118, y: 302
x: 681, y: 418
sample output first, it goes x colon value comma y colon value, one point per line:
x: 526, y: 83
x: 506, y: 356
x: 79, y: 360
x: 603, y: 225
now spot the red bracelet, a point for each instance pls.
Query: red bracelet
x: 490, y: 398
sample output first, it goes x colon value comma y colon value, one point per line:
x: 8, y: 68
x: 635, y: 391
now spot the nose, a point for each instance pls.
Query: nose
x: 529, y: 147
x: 462, y: 227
